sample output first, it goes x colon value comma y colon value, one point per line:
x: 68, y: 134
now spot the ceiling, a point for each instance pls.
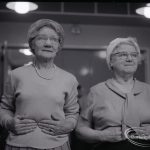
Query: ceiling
x: 112, y: 13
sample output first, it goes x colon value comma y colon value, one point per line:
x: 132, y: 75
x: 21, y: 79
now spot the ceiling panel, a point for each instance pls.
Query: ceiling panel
x: 49, y: 6
x: 80, y: 7
x: 111, y: 13
x: 113, y: 8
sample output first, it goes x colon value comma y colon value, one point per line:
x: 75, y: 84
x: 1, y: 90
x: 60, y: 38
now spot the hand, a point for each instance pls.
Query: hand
x: 144, y: 130
x: 111, y: 135
x: 20, y: 125
x: 56, y: 126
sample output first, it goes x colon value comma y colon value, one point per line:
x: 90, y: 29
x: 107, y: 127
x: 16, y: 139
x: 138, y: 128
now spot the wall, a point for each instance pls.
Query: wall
x: 91, y: 37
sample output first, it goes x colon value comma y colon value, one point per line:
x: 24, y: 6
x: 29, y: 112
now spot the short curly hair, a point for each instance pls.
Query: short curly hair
x: 116, y: 42
x: 36, y: 26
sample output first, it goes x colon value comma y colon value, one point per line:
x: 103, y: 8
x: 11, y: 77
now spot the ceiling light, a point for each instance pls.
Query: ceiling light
x: 22, y: 7
x: 25, y: 51
x: 101, y: 54
x: 84, y: 71
x: 145, y: 11
x: 29, y: 63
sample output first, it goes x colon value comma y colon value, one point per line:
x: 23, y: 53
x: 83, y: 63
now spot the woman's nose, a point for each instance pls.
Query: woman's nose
x: 129, y: 57
x: 48, y: 41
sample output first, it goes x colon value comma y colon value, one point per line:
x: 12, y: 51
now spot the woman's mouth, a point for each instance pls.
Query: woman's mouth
x: 46, y: 50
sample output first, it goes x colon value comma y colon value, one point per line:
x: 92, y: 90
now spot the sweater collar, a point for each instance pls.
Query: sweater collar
x: 137, y: 89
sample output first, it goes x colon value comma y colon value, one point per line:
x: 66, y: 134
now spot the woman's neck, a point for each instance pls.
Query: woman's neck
x: 43, y: 64
x: 123, y: 78
x: 124, y: 84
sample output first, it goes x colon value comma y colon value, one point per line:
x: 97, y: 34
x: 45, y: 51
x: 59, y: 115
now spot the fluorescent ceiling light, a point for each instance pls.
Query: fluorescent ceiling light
x: 101, y: 54
x: 25, y: 51
x: 145, y: 11
x: 84, y: 71
x: 22, y: 7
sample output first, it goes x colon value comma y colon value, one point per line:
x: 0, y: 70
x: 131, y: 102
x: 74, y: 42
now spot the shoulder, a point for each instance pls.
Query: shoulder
x: 93, y: 96
x: 142, y: 85
x: 98, y: 87
x: 65, y: 75
x: 96, y: 91
x: 21, y: 71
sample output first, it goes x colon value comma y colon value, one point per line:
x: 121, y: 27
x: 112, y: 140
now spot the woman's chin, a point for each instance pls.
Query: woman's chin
x: 48, y: 56
x: 129, y: 70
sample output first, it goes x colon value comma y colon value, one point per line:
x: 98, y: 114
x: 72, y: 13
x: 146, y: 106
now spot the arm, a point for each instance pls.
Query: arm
x: 71, y: 107
x: 7, y: 107
x: 85, y: 132
x: 57, y: 125
x: 15, y: 124
x: 85, y: 129
x: 64, y: 125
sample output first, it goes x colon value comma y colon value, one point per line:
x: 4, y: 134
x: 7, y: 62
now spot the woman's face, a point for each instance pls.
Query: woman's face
x: 125, y: 59
x: 46, y: 43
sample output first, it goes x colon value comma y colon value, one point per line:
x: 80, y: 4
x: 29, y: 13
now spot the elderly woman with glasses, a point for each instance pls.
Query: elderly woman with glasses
x: 115, y: 108
x: 39, y: 106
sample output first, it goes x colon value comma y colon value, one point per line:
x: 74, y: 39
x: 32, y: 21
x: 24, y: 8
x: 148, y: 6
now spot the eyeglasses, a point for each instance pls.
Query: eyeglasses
x: 45, y: 38
x: 125, y: 55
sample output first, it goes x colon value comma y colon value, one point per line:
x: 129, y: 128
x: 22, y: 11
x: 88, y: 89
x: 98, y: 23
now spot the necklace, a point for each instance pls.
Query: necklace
x: 41, y: 76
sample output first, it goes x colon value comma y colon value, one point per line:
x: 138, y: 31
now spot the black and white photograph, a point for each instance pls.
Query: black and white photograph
x: 74, y: 75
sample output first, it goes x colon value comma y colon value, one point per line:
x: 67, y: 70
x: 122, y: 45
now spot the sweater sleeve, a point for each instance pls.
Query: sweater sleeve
x: 7, y: 106
x: 87, y: 104
x: 71, y: 107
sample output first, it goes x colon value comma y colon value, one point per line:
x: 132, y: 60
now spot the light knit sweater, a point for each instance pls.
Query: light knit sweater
x: 107, y: 107
x: 28, y: 94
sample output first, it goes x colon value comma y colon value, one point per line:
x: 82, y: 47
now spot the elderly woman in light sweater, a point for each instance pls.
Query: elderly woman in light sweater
x: 118, y: 104
x: 39, y: 106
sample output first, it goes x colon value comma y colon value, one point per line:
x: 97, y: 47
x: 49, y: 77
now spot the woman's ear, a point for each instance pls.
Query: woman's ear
x: 111, y: 62
x: 111, y: 66
x: 60, y: 47
x: 32, y: 46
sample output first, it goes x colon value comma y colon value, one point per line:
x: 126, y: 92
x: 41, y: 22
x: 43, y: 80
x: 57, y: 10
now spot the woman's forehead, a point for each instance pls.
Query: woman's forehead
x: 125, y: 47
x: 47, y: 31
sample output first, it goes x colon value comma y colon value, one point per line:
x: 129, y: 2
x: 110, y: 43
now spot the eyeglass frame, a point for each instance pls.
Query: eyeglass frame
x: 133, y: 55
x: 43, y: 38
